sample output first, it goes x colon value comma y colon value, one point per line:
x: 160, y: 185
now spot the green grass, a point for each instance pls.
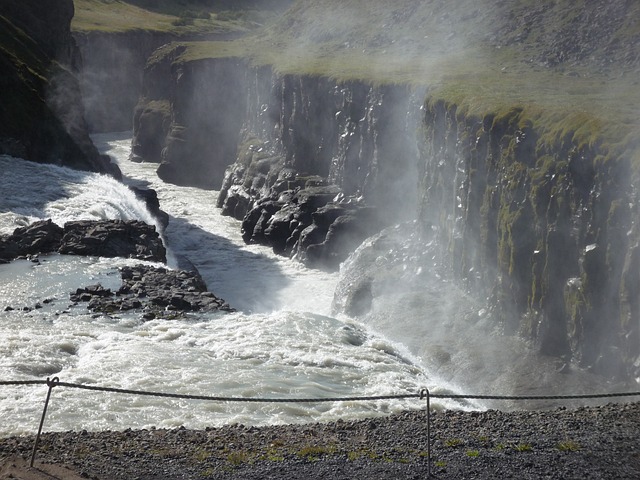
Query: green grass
x: 523, y: 447
x: 453, y: 442
x: 568, y: 446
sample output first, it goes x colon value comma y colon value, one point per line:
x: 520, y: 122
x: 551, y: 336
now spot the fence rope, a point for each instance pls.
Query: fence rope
x: 419, y: 395
x: 24, y: 382
x: 422, y: 394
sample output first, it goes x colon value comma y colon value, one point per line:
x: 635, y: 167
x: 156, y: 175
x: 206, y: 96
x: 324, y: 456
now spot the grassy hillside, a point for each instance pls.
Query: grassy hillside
x: 572, y: 65
x: 176, y: 16
x: 549, y: 57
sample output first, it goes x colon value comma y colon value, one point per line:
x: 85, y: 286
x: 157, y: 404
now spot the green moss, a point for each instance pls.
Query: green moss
x: 453, y: 442
x: 239, y: 457
x: 314, y: 452
x: 523, y: 447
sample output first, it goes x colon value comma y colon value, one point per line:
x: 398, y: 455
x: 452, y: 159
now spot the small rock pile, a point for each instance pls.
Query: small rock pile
x: 155, y: 291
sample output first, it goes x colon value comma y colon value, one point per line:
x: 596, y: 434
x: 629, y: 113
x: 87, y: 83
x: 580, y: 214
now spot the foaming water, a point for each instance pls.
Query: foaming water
x: 33, y: 191
x: 282, y: 342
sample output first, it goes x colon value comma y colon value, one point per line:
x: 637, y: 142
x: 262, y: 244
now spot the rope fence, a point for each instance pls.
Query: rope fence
x: 423, y: 394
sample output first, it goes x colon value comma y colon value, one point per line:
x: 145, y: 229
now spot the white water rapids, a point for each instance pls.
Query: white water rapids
x: 281, y: 343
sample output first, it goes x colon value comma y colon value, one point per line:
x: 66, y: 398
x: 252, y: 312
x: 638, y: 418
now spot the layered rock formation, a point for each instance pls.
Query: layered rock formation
x: 546, y: 230
x: 539, y: 223
x: 42, y: 114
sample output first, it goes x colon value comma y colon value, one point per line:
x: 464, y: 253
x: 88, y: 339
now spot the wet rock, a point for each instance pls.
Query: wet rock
x: 113, y: 238
x: 154, y: 291
x: 313, y: 222
x: 39, y: 237
x: 106, y: 238
x: 150, y: 197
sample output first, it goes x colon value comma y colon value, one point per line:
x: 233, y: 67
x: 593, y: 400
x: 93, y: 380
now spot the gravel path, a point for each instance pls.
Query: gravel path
x: 589, y: 442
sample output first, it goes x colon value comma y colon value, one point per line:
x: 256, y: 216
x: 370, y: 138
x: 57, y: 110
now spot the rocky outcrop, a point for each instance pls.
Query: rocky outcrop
x: 156, y: 292
x: 42, y: 118
x: 150, y: 198
x: 107, y: 238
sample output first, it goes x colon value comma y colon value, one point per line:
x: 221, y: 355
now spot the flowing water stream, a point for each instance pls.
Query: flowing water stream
x: 282, y: 342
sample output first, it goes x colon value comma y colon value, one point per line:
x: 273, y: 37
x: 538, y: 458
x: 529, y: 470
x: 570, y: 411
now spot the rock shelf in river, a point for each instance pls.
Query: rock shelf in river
x: 105, y: 238
x: 155, y: 291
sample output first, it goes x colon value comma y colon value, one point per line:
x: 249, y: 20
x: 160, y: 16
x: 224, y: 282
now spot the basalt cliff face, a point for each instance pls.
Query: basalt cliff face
x: 545, y: 229
x: 540, y: 226
x: 42, y: 117
x: 316, y: 166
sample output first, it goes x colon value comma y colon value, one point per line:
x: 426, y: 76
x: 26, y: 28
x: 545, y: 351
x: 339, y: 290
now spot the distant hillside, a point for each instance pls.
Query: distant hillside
x: 179, y: 17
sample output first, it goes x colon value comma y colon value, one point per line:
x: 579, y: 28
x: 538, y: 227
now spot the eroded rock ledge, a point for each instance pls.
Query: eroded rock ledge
x: 107, y: 238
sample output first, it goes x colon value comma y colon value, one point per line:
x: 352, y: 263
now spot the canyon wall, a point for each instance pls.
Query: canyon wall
x: 42, y: 116
x: 545, y: 228
x: 541, y: 226
x: 111, y: 75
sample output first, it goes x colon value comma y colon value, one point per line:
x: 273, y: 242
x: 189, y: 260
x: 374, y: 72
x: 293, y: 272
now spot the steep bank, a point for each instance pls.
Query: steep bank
x: 529, y: 189
x: 545, y: 226
x: 42, y: 114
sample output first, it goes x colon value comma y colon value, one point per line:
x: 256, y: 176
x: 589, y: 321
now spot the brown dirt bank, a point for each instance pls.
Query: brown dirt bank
x: 588, y: 442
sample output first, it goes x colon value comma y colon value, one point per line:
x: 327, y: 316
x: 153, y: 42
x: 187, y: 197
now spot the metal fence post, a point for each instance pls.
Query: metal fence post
x: 425, y: 393
x: 50, y: 383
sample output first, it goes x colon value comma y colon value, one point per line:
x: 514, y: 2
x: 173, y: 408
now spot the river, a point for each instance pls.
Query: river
x: 281, y: 343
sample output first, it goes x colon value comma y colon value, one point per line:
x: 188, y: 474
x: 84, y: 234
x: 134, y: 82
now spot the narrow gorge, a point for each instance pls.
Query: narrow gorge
x: 386, y: 143
x: 540, y: 222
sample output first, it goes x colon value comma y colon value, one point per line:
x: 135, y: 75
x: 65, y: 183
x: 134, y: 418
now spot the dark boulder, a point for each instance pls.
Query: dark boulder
x: 235, y: 202
x: 336, y: 232
x: 303, y: 217
x: 256, y: 221
x: 150, y: 197
x: 39, y: 237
